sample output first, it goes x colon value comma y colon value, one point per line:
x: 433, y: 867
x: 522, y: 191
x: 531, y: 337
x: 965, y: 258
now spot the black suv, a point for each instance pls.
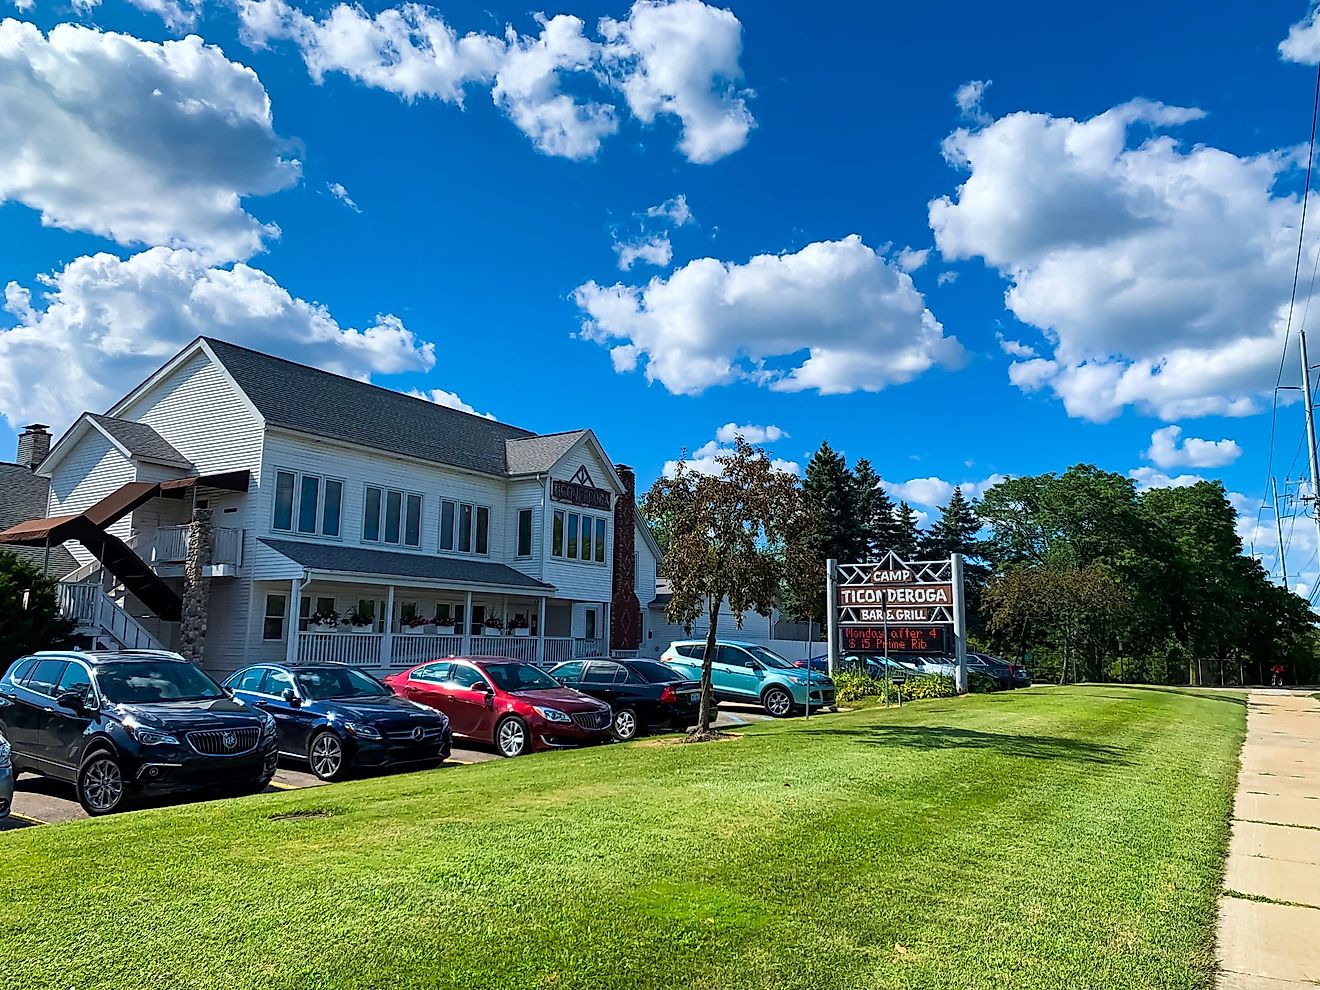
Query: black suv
x: 115, y: 724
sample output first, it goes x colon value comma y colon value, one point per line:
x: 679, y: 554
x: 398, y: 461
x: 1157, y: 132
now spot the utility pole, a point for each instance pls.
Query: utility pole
x: 1278, y: 529
x: 1310, y: 430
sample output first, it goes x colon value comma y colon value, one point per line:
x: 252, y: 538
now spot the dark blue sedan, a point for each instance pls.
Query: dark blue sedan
x: 338, y: 718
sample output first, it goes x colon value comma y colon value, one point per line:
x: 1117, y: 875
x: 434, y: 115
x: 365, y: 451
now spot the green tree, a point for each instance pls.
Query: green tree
x: 908, y: 538
x: 876, y: 512
x: 723, y: 531
x: 958, y: 531
x: 830, y: 493
x: 29, y: 610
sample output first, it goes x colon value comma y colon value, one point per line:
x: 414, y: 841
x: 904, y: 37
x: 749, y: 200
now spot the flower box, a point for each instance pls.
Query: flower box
x: 362, y: 630
x: 491, y: 631
x: 522, y: 632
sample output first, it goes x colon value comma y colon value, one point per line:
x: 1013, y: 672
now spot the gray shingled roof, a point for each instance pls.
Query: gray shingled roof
x: 312, y: 401
x: 389, y: 563
x: 537, y: 455
x: 23, y: 497
x: 140, y: 439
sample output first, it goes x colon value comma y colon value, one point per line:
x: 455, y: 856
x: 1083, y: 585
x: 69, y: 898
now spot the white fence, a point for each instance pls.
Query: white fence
x: 169, y: 545
x: 406, y: 649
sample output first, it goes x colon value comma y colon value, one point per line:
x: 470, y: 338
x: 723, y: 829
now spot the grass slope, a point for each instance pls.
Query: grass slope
x: 1064, y: 838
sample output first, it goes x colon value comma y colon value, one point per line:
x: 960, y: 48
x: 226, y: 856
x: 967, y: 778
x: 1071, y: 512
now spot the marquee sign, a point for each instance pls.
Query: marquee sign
x: 895, y: 591
x: 895, y: 639
x: 581, y: 491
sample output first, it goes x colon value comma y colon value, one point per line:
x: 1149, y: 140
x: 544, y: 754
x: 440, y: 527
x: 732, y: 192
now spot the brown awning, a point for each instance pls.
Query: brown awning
x: 35, y: 532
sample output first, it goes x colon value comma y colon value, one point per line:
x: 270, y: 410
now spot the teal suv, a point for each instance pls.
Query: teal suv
x: 750, y: 673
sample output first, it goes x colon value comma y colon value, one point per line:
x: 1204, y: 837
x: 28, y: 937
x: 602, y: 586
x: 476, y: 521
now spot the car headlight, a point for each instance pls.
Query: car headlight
x: 551, y: 714
x: 5, y: 761
x: 363, y: 730
x: 267, y: 722
x: 152, y: 737
x: 796, y: 680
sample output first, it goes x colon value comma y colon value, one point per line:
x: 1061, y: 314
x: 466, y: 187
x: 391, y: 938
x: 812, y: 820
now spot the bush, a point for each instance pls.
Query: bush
x: 978, y: 683
x: 930, y: 686
x: 852, y: 685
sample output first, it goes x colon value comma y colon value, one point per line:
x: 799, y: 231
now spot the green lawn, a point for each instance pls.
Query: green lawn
x: 1059, y: 838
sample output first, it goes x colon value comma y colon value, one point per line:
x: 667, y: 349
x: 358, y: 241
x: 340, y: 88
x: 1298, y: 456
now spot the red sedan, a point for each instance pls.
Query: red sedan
x: 512, y: 704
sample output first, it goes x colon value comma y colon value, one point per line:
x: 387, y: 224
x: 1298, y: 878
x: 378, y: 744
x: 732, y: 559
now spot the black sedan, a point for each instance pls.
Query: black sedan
x: 337, y: 718
x: 644, y: 694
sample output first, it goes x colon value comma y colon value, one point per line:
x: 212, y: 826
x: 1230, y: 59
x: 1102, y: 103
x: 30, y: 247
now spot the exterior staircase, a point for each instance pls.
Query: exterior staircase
x: 98, y: 616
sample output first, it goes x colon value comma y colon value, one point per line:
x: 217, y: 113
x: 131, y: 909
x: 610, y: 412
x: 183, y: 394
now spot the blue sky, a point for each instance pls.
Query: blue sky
x: 1149, y: 251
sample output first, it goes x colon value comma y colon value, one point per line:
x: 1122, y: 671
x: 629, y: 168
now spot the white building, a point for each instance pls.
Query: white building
x: 332, y: 496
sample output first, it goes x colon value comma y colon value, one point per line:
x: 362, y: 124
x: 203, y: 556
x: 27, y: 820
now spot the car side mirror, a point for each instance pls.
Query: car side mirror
x: 291, y: 696
x: 751, y: 665
x: 481, y: 687
x: 73, y: 701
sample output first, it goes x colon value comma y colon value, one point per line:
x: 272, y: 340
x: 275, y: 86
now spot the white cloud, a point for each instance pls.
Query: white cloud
x: 675, y: 210
x: 1015, y: 348
x: 704, y: 461
x: 1303, y: 41
x: 676, y: 57
x: 681, y: 58
x: 1148, y: 478
x: 140, y: 142
x: 450, y: 399
x: 753, y: 434
x: 25, y: 4
x: 1168, y: 450
x: 910, y: 259
x: 859, y: 320
x: 934, y: 492
x: 103, y: 324
x: 946, y: 278
x: 177, y: 14
x: 968, y: 96
x: 1158, y: 273
x: 653, y: 250
x: 338, y: 191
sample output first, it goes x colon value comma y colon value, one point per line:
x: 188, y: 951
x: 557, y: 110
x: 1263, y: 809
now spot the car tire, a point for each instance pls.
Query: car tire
x: 626, y: 725
x: 326, y: 756
x: 777, y: 702
x: 512, y: 737
x: 102, y: 789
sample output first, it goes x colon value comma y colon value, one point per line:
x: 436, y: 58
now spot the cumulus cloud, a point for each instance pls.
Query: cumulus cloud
x: 139, y: 142
x: 674, y: 57
x: 450, y: 399
x: 704, y: 461
x: 1148, y: 478
x: 968, y: 96
x: 676, y: 211
x: 946, y: 278
x: 1158, y: 273
x: 654, y: 250
x: 1303, y: 41
x: 177, y: 14
x: 104, y: 324
x: 1015, y: 348
x: 338, y: 191
x: 934, y: 492
x: 1168, y: 449
x: 752, y: 433
x: 856, y: 316
x: 910, y: 259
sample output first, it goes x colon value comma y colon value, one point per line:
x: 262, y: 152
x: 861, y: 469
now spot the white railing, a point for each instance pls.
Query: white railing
x: 513, y: 647
x: 170, y: 545
x: 557, y: 650
x: 408, y: 649
x: 588, y: 648
x: 91, y: 608
x: 357, y: 649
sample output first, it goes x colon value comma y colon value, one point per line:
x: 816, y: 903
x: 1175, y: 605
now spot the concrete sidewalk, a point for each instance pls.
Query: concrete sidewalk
x: 1269, y: 914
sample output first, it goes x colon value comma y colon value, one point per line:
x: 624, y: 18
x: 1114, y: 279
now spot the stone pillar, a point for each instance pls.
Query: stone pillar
x: 625, y: 627
x: 197, y: 586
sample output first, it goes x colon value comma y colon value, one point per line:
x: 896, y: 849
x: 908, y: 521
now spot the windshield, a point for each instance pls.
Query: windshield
x: 142, y: 682
x: 770, y: 659
x: 655, y: 673
x: 321, y: 683
x: 519, y: 677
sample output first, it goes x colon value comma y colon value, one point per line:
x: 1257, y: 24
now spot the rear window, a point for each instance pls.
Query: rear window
x: 20, y: 670
x: 694, y: 651
x: 45, y: 677
x: 655, y: 673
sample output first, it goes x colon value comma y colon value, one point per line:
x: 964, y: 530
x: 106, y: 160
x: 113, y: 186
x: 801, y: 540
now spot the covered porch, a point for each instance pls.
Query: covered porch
x: 391, y: 621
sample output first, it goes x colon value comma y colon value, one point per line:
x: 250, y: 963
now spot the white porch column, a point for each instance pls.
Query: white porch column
x: 540, y: 631
x: 295, y: 612
x: 605, y: 610
x: 387, y: 641
x: 467, y: 625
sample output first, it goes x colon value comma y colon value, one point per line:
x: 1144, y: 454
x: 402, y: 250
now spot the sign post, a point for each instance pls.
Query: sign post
x: 831, y: 619
x: 959, y: 622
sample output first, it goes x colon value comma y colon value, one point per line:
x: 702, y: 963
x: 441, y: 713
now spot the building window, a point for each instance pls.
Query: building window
x: 391, y: 516
x: 324, y: 606
x: 573, y: 519
x: 585, y: 534
x: 464, y: 527
x: 272, y: 625
x: 307, y: 504
x: 524, y: 532
x: 600, y: 541
x: 557, y: 547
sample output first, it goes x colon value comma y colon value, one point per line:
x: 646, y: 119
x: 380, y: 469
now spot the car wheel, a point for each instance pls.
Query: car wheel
x: 626, y: 725
x: 777, y: 702
x: 101, y: 787
x: 325, y: 754
x: 512, y: 737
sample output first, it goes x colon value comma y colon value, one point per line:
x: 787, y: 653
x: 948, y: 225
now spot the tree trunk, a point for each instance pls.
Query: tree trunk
x: 707, y: 689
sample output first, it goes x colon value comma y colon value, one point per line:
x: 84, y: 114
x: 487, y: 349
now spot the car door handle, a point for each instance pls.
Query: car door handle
x: 262, y: 704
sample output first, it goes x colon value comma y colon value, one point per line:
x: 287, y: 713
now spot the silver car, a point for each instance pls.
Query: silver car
x: 6, y: 778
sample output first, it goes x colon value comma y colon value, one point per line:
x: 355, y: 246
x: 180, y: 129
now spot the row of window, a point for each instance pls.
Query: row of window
x: 312, y: 505
x: 444, y: 613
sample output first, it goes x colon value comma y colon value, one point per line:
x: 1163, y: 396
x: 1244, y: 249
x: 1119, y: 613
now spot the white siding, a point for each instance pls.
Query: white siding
x: 93, y: 469
x: 526, y: 493
x: 575, y: 579
x: 646, y: 568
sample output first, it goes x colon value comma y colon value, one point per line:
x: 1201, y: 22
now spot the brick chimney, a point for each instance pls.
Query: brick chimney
x: 33, y: 445
x: 625, y: 609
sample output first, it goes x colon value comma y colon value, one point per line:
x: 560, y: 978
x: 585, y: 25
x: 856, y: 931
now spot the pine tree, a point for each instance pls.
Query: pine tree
x: 875, y: 512
x: 955, y: 531
x: 829, y: 490
x: 909, y: 536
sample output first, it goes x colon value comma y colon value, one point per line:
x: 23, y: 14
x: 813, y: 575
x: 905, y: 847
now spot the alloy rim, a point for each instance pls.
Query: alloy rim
x: 625, y: 725
x: 777, y: 702
x: 511, y: 738
x: 327, y: 756
x: 103, y: 786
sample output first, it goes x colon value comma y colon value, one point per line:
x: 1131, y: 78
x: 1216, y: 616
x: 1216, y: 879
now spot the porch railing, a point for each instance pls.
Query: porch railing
x: 409, y: 649
x: 514, y: 647
x: 170, y: 545
x: 368, y: 649
x: 357, y: 649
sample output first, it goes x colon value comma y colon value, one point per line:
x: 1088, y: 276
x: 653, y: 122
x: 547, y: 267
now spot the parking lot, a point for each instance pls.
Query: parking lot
x: 41, y: 801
